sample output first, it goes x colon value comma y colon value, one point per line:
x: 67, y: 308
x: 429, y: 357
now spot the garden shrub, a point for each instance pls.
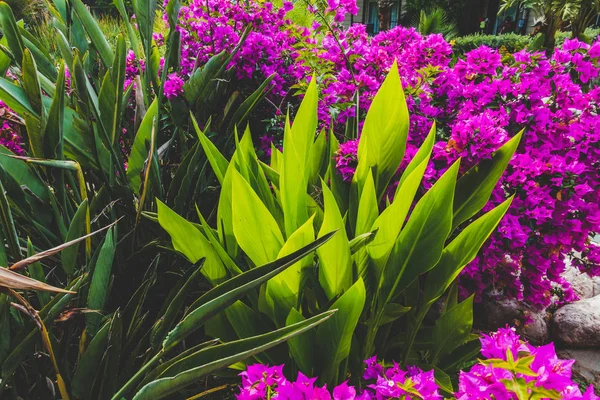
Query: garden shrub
x: 590, y: 34
x: 508, y: 42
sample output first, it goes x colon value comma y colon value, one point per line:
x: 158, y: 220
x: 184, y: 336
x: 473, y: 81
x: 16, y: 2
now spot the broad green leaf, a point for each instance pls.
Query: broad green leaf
x: 158, y: 371
x: 88, y: 366
x: 225, y: 216
x: 422, y: 155
x: 53, y: 132
x: 139, y: 152
x: 209, y: 360
x: 15, y: 98
x: 189, y: 241
x: 393, y: 311
x: 271, y: 174
x: 218, y: 163
x: 23, y: 174
x: 9, y: 231
x: 420, y: 244
x: 172, y: 9
x: 335, y: 261
x: 240, y: 117
x: 232, y: 290
x: 202, y: 77
x: 45, y: 63
x: 100, y: 283
x: 145, y: 14
x: 368, y: 208
x: 176, y: 305
x: 68, y: 256
x: 111, y: 92
x: 475, y: 187
x: 64, y: 48
x: 391, y: 220
x: 276, y: 159
x: 383, y: 140
x: 318, y: 159
x: 183, y: 183
x: 255, y: 229
x: 10, y: 30
x: 37, y: 272
x: 246, y: 162
x: 31, y: 83
x: 213, y: 238
x: 5, y: 329
x: 335, y: 336
x: 339, y: 188
x: 301, y: 347
x: 452, y: 329
x: 282, y: 290
x: 112, y: 357
x: 360, y: 241
x: 94, y: 32
x: 297, y: 142
x: 244, y: 320
x: 461, y: 251
x: 131, y: 33
x: 465, y: 353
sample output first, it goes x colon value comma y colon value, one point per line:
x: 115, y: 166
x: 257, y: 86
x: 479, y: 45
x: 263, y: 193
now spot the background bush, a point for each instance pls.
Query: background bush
x: 512, y: 42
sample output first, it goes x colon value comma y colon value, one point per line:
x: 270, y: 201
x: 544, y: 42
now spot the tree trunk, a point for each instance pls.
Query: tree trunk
x: 550, y: 33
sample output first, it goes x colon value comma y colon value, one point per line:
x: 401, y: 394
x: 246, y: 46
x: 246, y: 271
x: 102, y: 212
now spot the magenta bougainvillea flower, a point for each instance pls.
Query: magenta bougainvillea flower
x: 508, y: 365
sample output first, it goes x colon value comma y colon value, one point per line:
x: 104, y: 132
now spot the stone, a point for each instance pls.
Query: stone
x: 578, y: 324
x: 498, y: 313
x: 583, y: 285
x: 529, y: 323
x: 587, y: 363
x: 536, y: 328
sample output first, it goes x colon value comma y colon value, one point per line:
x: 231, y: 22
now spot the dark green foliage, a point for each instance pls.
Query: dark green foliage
x: 510, y: 42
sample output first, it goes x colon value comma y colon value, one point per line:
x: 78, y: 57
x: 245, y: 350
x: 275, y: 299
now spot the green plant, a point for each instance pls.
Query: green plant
x: 435, y: 21
x: 454, y: 9
x: 73, y: 180
x: 511, y: 42
x: 380, y: 273
x: 577, y: 15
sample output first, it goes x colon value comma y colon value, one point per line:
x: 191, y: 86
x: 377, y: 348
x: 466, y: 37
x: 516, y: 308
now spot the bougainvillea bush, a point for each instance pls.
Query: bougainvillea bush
x: 509, y: 369
x: 483, y: 101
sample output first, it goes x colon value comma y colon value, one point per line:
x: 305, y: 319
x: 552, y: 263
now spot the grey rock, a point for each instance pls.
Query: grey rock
x: 536, y: 329
x: 583, y: 285
x: 587, y: 363
x: 500, y: 313
x: 578, y: 324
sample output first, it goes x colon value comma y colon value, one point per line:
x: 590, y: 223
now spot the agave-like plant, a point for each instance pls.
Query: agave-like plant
x: 96, y: 376
x: 384, y: 268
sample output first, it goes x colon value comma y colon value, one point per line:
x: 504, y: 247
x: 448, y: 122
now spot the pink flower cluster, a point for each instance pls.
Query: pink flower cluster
x: 480, y: 102
x: 260, y: 382
x: 509, y: 366
x: 209, y: 27
x: 9, y: 130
